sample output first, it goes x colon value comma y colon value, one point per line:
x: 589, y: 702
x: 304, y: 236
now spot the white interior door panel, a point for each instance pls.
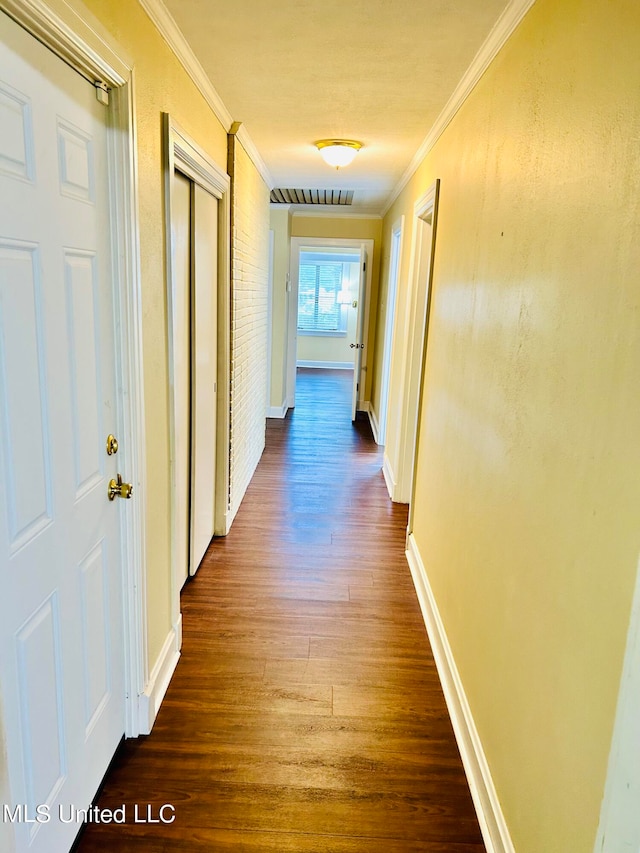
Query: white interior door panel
x: 203, y: 373
x: 61, y: 653
x: 181, y: 249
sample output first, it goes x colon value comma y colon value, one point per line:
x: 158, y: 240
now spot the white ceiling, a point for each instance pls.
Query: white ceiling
x: 295, y: 71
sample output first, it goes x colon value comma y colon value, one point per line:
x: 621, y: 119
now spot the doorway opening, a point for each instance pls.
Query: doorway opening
x: 328, y: 311
x: 425, y: 221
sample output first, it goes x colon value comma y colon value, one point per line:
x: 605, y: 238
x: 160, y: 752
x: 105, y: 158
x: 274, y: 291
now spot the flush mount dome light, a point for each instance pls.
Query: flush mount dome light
x: 338, y: 152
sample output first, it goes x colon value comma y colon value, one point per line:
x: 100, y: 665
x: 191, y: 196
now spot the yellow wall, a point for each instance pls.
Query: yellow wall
x: 281, y: 227
x: 345, y: 228
x: 528, y: 497
x: 330, y: 349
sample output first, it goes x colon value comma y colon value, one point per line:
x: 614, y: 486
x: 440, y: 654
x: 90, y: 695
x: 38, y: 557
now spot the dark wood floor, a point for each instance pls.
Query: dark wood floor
x: 305, y: 715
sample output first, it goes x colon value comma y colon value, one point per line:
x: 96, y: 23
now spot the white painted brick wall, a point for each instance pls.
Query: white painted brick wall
x: 249, y: 293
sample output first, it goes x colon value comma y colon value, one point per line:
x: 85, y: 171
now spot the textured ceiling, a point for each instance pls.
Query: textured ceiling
x: 294, y: 71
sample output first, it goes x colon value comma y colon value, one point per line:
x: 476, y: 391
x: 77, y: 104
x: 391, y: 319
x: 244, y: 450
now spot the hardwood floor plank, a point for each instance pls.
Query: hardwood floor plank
x: 396, y: 650
x: 332, y: 767
x: 214, y: 840
x: 277, y: 731
x: 337, y: 671
x: 218, y: 694
x: 204, y: 802
x: 306, y: 714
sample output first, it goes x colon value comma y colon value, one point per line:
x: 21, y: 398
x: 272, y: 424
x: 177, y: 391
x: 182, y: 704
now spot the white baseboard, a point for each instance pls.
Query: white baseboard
x: 326, y: 365
x: 492, y: 822
x: 373, y: 420
x: 389, y: 477
x: 178, y: 632
x: 278, y: 411
x: 149, y: 702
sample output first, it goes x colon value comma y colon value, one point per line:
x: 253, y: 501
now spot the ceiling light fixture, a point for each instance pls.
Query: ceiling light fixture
x: 338, y: 152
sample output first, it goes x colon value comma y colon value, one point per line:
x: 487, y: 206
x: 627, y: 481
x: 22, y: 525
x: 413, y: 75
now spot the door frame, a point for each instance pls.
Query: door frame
x: 417, y: 327
x: 395, y: 259
x: 359, y: 332
x: 76, y: 42
x: 298, y: 243
x: 184, y: 154
x: 270, y: 320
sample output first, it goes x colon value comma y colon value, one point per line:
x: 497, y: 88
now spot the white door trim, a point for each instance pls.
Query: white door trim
x: 397, y: 237
x: 183, y: 153
x: 67, y: 34
x: 416, y: 327
x: 270, y: 321
x: 298, y: 243
x: 360, y: 333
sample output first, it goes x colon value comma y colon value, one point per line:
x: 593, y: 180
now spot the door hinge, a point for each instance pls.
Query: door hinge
x: 364, y: 266
x: 102, y: 92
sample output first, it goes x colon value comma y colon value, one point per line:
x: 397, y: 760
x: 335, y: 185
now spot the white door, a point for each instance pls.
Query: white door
x: 194, y: 238
x: 61, y: 617
x: 181, y: 249
x: 358, y: 344
x: 204, y: 324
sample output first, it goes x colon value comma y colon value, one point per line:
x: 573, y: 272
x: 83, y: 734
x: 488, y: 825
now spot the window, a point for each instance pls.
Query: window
x: 318, y: 288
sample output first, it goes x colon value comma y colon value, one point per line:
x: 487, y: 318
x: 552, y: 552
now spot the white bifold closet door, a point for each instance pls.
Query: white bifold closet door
x: 194, y: 216
x: 204, y: 320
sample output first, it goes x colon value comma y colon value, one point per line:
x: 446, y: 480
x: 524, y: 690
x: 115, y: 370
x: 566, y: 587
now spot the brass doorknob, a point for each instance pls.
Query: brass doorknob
x: 118, y: 489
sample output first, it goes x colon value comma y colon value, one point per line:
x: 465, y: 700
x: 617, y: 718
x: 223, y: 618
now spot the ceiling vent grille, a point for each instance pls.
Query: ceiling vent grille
x: 283, y: 196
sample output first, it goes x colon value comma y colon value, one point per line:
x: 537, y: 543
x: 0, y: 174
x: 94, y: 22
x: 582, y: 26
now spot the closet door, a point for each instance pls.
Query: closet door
x: 181, y: 248
x: 203, y: 371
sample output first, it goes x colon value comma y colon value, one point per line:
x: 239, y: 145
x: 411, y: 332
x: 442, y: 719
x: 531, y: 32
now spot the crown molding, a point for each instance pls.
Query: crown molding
x: 248, y: 144
x: 501, y: 32
x: 172, y: 34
